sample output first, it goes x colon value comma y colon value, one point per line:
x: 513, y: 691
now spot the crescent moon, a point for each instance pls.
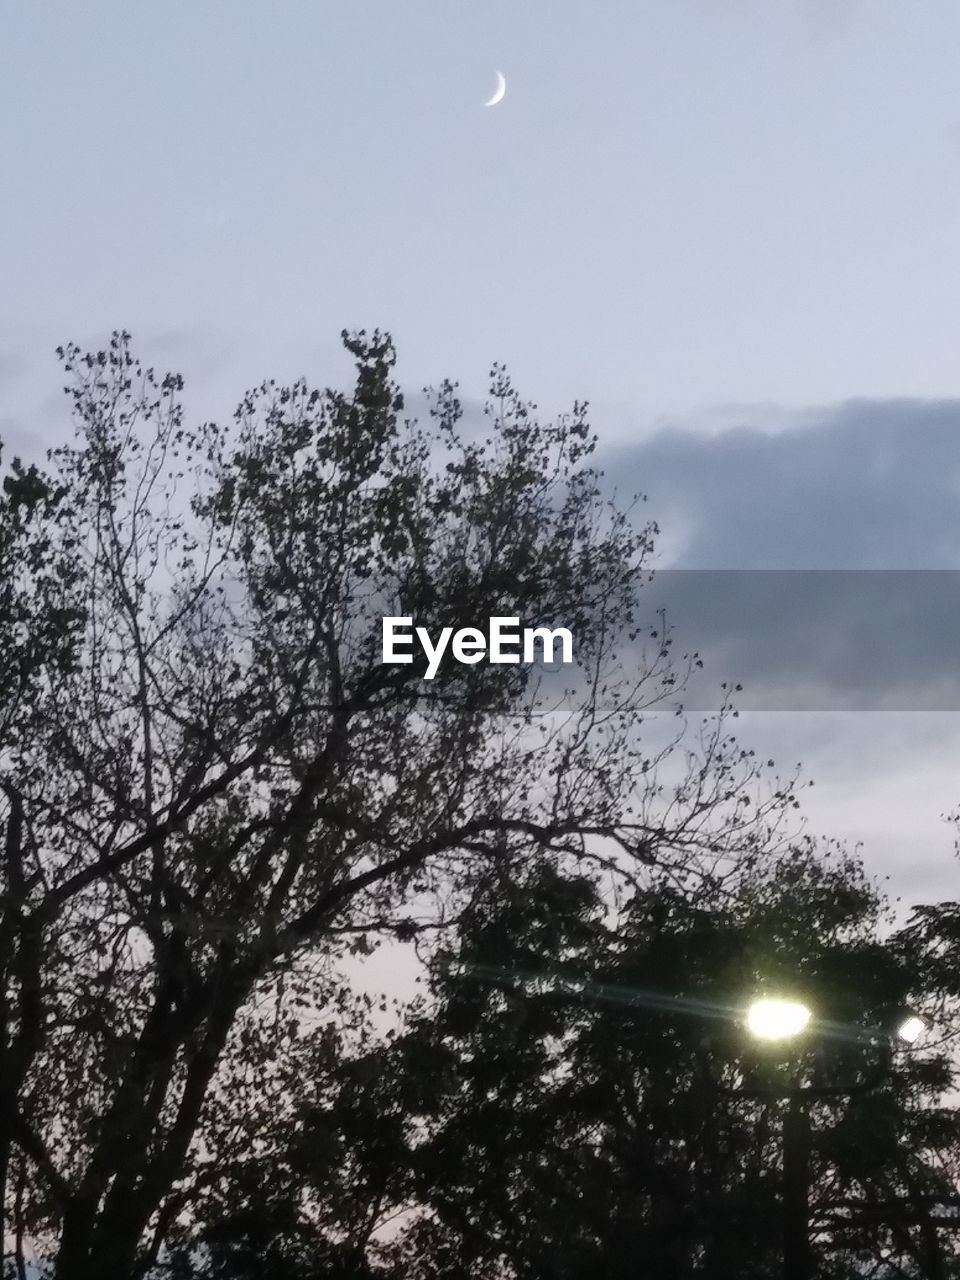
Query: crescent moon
x: 500, y: 90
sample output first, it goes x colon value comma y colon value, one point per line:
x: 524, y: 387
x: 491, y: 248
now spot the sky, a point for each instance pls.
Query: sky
x: 731, y: 225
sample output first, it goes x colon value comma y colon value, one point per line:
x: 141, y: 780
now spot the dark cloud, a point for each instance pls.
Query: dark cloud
x: 817, y: 565
x: 814, y: 557
x: 870, y: 485
x: 818, y: 639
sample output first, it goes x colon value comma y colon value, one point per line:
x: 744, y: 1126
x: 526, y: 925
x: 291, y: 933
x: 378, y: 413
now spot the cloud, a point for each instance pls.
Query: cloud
x: 830, y: 640
x: 868, y: 485
x: 819, y: 564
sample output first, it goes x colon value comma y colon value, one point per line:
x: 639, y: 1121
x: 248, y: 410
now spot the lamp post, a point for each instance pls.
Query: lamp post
x: 777, y: 1021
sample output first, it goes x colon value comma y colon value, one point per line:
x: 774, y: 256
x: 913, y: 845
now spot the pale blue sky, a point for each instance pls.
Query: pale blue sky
x: 678, y: 203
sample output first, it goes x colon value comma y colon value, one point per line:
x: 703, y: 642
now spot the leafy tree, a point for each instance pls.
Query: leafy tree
x: 576, y: 1093
x: 40, y: 613
x: 213, y: 788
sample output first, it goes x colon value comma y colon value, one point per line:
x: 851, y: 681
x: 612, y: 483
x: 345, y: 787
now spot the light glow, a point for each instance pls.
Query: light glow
x: 771, y: 1019
x: 910, y: 1029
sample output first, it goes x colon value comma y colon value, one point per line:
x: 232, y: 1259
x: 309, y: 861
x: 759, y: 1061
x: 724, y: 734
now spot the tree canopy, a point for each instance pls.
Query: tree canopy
x: 210, y: 776
x: 572, y: 1094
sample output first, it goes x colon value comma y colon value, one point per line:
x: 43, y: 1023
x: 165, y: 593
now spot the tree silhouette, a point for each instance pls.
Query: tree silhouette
x: 213, y: 788
x: 570, y: 1097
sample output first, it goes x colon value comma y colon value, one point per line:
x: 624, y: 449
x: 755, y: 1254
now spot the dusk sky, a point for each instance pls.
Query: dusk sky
x: 731, y: 225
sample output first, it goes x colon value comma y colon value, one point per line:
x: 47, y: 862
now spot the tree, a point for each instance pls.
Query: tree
x: 39, y: 619
x: 216, y: 788
x: 574, y: 1096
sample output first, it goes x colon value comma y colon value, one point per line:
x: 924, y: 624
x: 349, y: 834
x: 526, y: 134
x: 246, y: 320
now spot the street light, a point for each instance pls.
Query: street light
x: 773, y: 1019
x: 911, y: 1028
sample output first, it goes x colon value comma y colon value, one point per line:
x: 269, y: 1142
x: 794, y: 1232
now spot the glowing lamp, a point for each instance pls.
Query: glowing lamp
x: 771, y: 1019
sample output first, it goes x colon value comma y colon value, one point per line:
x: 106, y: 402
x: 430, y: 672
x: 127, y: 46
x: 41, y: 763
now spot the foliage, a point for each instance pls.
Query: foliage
x: 574, y: 1092
x: 213, y: 789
